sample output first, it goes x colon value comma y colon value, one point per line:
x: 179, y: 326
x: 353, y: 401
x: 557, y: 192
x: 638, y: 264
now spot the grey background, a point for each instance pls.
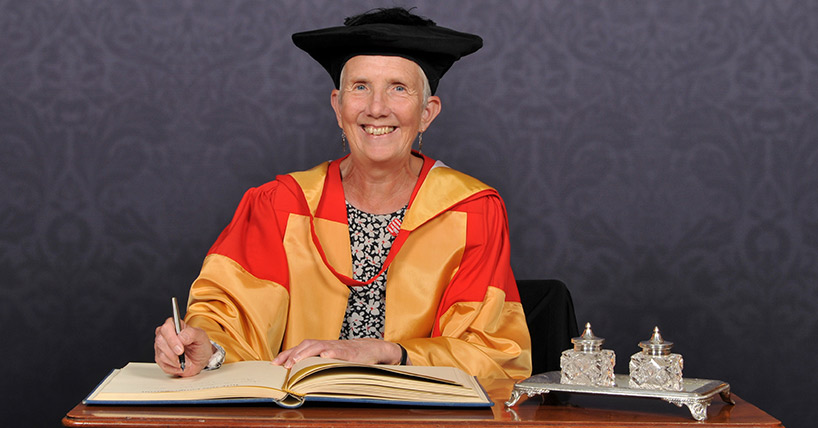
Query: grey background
x: 658, y: 156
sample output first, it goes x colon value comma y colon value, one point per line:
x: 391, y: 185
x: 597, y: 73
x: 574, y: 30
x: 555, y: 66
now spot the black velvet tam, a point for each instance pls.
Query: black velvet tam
x: 389, y: 32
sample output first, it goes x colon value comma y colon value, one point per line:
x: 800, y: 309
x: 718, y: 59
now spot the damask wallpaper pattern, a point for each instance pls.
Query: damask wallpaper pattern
x: 658, y: 156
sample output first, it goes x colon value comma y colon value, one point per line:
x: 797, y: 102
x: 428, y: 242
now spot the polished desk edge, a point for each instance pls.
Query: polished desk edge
x: 527, y: 413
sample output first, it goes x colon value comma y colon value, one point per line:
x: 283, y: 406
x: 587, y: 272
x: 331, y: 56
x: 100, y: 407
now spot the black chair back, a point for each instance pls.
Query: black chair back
x: 549, y: 313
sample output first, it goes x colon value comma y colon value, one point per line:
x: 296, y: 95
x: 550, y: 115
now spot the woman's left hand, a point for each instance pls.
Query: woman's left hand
x: 367, y: 351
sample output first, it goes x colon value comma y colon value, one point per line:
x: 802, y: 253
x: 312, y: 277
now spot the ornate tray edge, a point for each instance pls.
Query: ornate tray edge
x: 697, y: 400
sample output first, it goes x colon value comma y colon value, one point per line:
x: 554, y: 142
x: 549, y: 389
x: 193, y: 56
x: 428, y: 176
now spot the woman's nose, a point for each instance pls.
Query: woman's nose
x: 378, y: 105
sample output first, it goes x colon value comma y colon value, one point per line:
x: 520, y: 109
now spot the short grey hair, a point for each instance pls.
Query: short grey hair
x: 427, y: 89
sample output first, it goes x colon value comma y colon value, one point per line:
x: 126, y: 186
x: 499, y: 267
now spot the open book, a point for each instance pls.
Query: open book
x: 313, y: 379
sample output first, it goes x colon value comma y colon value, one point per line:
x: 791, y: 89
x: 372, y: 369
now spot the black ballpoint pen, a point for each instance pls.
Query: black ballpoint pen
x: 178, y: 324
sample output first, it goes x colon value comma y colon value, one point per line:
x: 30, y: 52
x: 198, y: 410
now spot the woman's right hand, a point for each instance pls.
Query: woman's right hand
x: 192, y: 341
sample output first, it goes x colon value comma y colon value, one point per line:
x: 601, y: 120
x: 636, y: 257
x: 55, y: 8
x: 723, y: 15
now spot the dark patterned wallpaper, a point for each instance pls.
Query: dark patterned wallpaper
x: 660, y: 157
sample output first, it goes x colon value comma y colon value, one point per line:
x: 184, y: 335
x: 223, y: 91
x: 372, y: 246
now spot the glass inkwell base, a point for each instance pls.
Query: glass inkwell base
x: 655, y: 367
x: 587, y: 363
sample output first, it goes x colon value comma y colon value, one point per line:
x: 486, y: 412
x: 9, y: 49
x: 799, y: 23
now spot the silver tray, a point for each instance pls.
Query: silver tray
x: 696, y: 394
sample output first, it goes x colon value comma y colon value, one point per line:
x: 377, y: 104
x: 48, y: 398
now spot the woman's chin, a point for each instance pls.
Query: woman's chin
x: 379, y: 152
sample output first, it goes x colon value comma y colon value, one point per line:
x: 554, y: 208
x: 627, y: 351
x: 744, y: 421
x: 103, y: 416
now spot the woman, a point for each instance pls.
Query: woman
x: 384, y: 256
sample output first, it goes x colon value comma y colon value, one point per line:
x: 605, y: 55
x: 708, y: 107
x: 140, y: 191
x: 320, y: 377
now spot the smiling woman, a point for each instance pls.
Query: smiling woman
x: 384, y: 256
x: 380, y: 110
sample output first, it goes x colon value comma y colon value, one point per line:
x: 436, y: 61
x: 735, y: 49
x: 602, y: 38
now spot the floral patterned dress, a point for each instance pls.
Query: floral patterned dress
x: 371, y: 236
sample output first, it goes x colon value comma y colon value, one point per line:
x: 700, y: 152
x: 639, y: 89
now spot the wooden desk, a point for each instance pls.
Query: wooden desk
x: 577, y: 411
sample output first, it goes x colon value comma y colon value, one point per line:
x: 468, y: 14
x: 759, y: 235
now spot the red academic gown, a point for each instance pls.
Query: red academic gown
x: 279, y: 273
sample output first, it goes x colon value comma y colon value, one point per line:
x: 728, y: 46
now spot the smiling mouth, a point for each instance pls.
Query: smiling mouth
x: 378, y: 130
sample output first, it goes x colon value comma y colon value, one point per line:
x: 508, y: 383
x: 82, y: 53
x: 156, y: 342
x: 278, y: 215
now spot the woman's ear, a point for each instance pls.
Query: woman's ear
x: 335, y: 101
x: 430, y: 111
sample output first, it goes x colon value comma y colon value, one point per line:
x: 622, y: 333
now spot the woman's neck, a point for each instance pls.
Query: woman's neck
x: 379, y: 190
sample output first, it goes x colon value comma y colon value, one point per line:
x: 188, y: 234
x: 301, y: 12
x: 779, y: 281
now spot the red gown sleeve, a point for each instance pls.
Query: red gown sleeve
x: 241, y: 295
x: 481, y: 325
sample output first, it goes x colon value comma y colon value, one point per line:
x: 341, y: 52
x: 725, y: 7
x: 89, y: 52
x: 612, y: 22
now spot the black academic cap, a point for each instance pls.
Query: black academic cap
x: 391, y: 32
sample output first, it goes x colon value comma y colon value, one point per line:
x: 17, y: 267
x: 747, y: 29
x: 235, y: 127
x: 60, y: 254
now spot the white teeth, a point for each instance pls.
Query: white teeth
x: 380, y: 130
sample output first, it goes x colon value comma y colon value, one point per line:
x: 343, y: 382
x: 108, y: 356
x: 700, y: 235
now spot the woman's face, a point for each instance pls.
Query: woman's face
x: 380, y: 108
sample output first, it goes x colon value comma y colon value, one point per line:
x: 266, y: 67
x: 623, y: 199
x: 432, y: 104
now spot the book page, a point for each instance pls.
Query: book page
x: 308, y: 366
x: 356, y: 383
x: 146, y: 381
x: 413, y: 383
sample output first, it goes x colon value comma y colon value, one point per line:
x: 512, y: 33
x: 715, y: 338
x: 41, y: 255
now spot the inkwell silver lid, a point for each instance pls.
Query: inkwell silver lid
x: 587, y: 342
x: 656, y: 345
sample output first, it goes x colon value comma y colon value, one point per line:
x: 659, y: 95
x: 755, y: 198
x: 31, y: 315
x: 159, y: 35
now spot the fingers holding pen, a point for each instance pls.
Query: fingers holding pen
x: 192, y: 342
x: 173, y: 339
x: 167, y: 348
